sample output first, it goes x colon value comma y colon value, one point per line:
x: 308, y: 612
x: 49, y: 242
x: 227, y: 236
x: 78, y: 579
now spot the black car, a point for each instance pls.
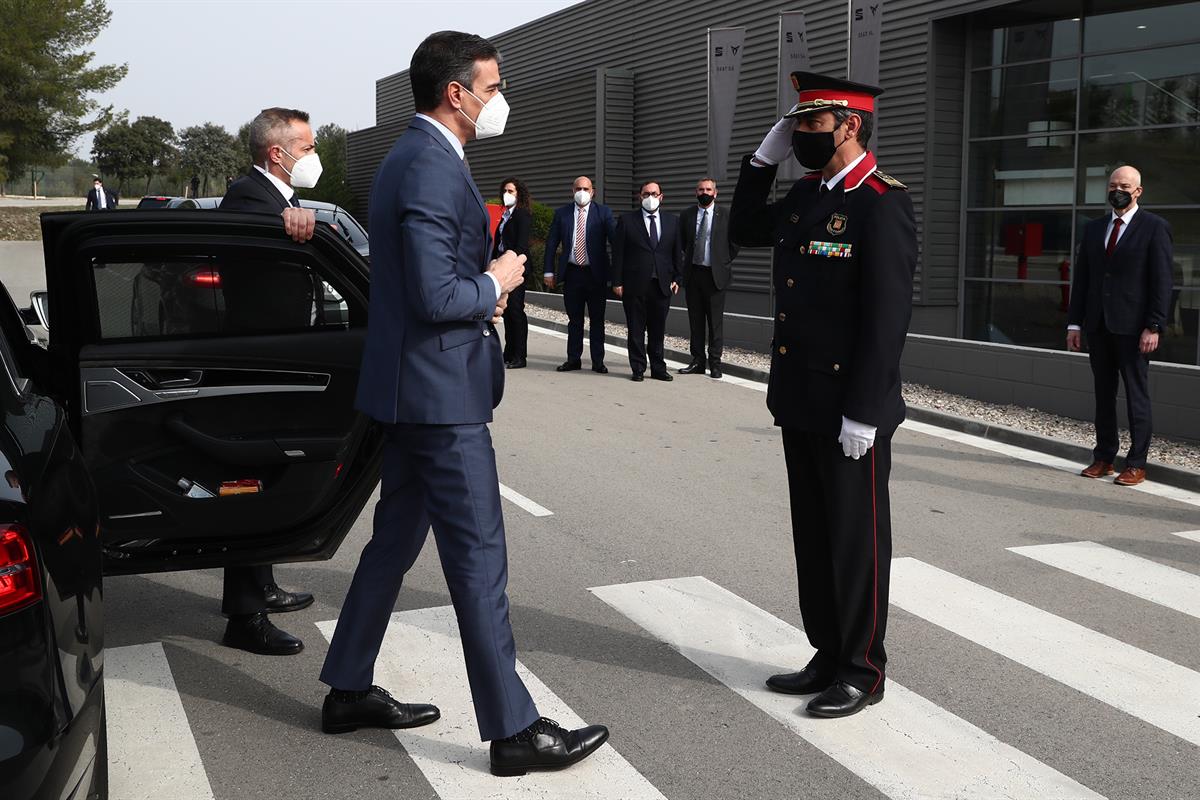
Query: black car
x: 108, y: 432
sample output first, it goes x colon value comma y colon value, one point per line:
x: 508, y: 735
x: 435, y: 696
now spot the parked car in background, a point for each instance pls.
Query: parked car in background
x: 162, y: 201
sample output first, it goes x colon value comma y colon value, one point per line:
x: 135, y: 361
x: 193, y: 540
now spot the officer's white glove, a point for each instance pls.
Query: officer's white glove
x: 778, y: 143
x: 856, y: 438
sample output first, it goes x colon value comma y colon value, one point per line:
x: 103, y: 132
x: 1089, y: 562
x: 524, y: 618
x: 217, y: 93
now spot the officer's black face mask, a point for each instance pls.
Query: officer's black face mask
x: 814, y: 149
x: 1119, y: 199
x: 705, y: 199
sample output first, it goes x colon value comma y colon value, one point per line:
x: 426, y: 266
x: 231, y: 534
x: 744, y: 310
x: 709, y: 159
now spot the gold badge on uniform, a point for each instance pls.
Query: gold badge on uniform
x: 837, y: 224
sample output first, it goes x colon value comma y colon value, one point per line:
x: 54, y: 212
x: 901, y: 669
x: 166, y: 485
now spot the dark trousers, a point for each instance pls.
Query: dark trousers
x: 582, y: 290
x: 444, y: 475
x: 243, y: 593
x: 841, y: 528
x: 706, y: 314
x: 1116, y: 356
x: 516, y: 327
x: 646, y: 322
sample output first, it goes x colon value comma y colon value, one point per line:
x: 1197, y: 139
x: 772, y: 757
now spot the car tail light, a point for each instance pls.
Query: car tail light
x: 206, y: 278
x: 18, y: 570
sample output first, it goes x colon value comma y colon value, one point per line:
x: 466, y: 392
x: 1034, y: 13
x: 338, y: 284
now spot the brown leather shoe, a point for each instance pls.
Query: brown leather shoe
x: 1130, y: 476
x: 1098, y: 469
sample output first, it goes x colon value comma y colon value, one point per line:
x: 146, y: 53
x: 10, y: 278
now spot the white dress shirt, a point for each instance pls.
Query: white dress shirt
x: 283, y: 188
x: 570, y: 251
x: 705, y: 249
x: 1125, y: 218
x: 657, y: 221
x: 836, y: 179
x: 101, y: 203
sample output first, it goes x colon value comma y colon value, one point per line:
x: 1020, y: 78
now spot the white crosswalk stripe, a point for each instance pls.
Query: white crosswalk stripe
x: 422, y: 659
x: 906, y: 747
x: 1131, y: 574
x: 524, y: 503
x: 1193, y: 535
x: 1100, y: 666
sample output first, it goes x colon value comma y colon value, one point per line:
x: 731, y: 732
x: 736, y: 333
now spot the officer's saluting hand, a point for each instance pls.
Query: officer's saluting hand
x: 845, y: 252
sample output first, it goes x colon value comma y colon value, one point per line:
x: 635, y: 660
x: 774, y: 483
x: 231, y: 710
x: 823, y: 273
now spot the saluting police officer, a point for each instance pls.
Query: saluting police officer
x: 845, y: 251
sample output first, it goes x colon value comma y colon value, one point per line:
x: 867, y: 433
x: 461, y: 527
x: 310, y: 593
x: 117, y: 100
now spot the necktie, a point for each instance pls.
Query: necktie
x: 653, y: 232
x: 1112, y: 237
x: 295, y: 201
x: 702, y: 239
x: 824, y: 190
x: 580, y: 252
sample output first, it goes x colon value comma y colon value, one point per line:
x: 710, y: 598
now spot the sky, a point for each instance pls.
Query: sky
x: 222, y: 61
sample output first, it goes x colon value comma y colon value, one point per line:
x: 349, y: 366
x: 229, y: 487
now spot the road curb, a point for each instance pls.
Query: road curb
x: 1159, y: 473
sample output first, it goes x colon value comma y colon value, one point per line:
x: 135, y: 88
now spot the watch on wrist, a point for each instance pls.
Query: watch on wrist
x: 1156, y: 328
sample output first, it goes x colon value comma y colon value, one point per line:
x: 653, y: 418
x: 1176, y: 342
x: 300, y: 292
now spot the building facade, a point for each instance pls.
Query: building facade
x: 1004, y: 119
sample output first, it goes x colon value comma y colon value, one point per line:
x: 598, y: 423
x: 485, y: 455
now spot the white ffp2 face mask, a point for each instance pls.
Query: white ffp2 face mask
x: 509, y: 199
x: 582, y: 198
x: 492, y: 117
x: 650, y: 204
x: 305, y: 172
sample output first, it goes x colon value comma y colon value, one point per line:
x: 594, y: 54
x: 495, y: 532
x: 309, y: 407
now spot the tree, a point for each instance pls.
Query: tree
x: 143, y: 148
x: 332, y: 188
x: 46, y: 80
x: 243, y: 138
x: 158, y: 150
x: 209, y: 151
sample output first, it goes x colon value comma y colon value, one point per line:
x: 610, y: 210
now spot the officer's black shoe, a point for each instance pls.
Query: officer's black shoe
x: 545, y: 745
x: 600, y: 369
x: 374, y: 708
x: 568, y: 366
x: 807, y: 681
x: 694, y: 368
x: 255, y: 634
x: 637, y: 377
x: 842, y: 700
x: 661, y: 376
x: 279, y: 601
x: 716, y: 370
x: 516, y: 363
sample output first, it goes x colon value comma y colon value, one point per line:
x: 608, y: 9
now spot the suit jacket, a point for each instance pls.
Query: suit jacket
x: 431, y: 355
x: 843, y: 276
x: 600, y: 229
x: 515, y: 235
x: 1129, y: 291
x: 253, y: 192
x: 93, y: 201
x: 722, y: 250
x: 635, y: 262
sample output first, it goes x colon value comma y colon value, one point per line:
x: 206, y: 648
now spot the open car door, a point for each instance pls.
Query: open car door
x: 208, y: 365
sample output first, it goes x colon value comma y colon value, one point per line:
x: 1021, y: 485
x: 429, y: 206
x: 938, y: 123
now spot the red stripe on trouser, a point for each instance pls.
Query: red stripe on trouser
x: 875, y: 582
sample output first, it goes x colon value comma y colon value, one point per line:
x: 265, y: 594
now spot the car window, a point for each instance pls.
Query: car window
x: 352, y: 230
x: 212, y: 297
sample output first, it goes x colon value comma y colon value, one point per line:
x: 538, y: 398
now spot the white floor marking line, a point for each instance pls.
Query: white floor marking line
x: 1100, y: 666
x: 1192, y: 535
x: 1128, y: 573
x: 421, y: 661
x: 524, y: 502
x: 151, y: 751
x: 906, y: 747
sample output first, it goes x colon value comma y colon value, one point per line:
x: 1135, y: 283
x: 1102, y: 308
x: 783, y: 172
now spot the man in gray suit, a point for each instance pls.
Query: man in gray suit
x: 707, y: 254
x: 432, y: 372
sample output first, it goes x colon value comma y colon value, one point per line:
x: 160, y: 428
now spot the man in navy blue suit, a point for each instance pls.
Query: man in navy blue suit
x: 1120, y: 295
x: 432, y: 372
x: 583, y: 228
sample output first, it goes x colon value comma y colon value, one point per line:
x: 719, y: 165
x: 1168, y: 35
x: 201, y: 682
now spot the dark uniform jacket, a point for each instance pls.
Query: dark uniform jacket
x: 721, y: 250
x: 843, y: 277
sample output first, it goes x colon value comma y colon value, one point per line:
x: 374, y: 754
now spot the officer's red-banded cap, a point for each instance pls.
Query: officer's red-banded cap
x: 824, y: 93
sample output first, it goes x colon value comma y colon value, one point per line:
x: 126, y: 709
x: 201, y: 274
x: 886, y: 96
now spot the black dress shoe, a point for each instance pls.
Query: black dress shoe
x: 568, y: 366
x: 637, y: 377
x: 842, y: 700
x: 545, y: 745
x: 374, y: 709
x: 694, y: 368
x: 807, y: 681
x: 661, y: 376
x: 716, y: 370
x: 516, y: 363
x: 255, y: 633
x: 279, y: 601
x: 600, y: 368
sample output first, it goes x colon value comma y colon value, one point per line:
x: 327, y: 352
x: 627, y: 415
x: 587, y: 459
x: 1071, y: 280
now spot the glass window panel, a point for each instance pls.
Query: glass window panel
x: 1158, y: 87
x: 1022, y: 245
x: 1141, y: 28
x: 1168, y: 158
x: 1031, y: 98
x: 1030, y: 314
x: 1179, y: 345
x: 1039, y: 170
x: 1045, y: 29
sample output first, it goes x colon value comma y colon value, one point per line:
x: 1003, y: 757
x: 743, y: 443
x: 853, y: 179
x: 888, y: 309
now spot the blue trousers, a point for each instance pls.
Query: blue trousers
x: 444, y: 475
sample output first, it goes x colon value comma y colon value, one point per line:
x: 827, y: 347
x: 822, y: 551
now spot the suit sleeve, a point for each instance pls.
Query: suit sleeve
x: 677, y: 255
x: 430, y: 230
x: 885, y: 303
x: 522, y: 222
x: 1077, y: 309
x: 90, y: 202
x: 238, y: 199
x: 552, y: 240
x: 751, y: 218
x: 618, y: 252
x: 1161, y: 276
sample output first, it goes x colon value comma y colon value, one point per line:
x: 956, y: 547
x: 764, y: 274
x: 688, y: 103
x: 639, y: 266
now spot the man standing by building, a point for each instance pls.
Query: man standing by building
x: 99, y: 198
x: 1120, y: 295
x: 845, y: 252
x: 707, y: 254
x: 432, y: 374
x: 583, y: 228
x: 647, y: 256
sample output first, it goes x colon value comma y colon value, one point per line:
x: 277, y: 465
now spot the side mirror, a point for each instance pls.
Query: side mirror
x: 40, y: 301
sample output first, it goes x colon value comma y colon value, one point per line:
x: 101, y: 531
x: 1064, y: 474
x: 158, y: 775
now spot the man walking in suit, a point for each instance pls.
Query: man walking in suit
x: 707, y: 253
x: 431, y: 374
x: 1120, y: 295
x: 583, y: 228
x: 99, y: 198
x: 647, y: 255
x: 845, y: 251
x: 284, y: 156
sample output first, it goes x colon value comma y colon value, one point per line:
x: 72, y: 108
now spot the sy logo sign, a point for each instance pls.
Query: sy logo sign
x: 791, y: 37
x: 719, y: 50
x: 858, y: 12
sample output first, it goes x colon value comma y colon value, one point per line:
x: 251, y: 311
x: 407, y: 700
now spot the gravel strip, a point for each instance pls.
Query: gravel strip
x: 1173, y: 452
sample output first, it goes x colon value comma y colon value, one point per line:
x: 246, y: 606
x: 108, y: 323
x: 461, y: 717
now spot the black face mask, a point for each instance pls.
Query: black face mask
x: 1119, y: 199
x: 705, y: 199
x: 814, y: 149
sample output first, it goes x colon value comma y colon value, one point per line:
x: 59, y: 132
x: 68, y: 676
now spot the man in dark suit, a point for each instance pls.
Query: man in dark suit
x: 279, y: 139
x: 431, y: 374
x: 99, y: 198
x: 707, y: 255
x: 582, y: 270
x: 647, y: 260
x: 845, y: 252
x: 1120, y: 295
